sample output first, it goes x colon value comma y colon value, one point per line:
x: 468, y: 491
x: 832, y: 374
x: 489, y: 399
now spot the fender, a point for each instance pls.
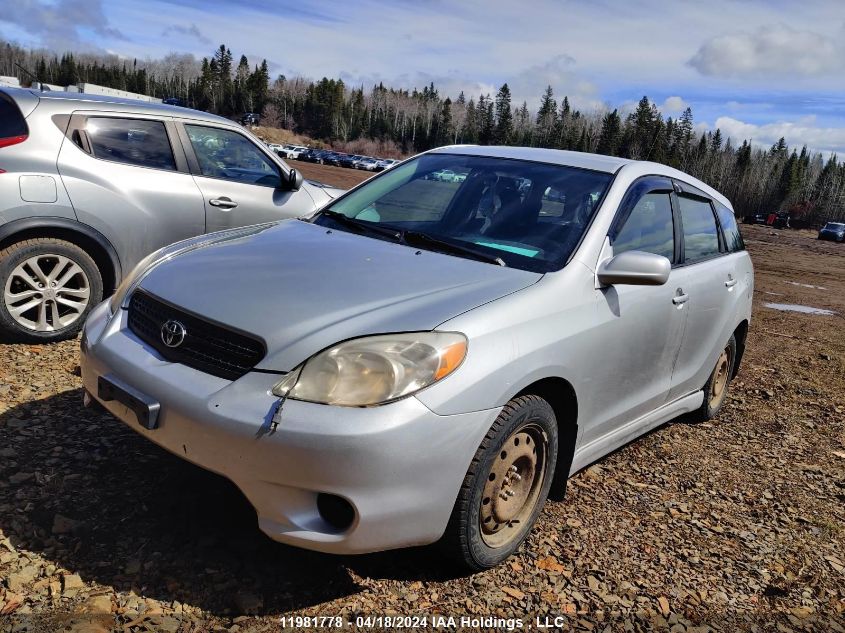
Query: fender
x: 30, y: 225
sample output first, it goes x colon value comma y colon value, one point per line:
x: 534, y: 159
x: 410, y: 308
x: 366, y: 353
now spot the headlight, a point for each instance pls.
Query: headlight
x: 375, y: 369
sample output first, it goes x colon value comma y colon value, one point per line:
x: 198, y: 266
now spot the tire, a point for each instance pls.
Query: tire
x: 28, y: 269
x: 716, y: 387
x: 485, y: 529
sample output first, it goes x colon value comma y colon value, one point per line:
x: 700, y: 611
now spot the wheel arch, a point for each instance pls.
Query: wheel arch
x: 740, y: 335
x: 85, y: 237
x: 561, y: 396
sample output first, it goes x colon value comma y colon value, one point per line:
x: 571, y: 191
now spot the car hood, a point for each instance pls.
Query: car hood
x: 302, y: 287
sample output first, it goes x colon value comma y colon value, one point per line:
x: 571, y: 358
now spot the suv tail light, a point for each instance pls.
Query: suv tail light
x: 13, y: 140
x: 13, y: 127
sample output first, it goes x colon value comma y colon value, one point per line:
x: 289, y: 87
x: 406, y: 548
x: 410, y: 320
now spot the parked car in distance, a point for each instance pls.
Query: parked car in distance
x: 349, y: 160
x: 332, y: 158
x: 310, y: 155
x: 386, y: 163
x: 449, y: 366
x: 276, y: 148
x: 833, y: 231
x: 90, y: 185
x: 175, y: 101
x: 250, y: 118
x: 292, y: 151
x: 756, y: 218
x: 367, y: 164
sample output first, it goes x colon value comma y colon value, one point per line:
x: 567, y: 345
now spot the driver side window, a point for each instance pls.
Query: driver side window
x: 648, y: 228
x: 227, y: 155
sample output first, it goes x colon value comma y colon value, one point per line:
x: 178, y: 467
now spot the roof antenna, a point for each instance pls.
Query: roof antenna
x: 38, y: 81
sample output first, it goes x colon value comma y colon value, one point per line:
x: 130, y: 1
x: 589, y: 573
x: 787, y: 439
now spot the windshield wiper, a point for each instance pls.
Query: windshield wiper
x: 360, y: 226
x: 418, y: 238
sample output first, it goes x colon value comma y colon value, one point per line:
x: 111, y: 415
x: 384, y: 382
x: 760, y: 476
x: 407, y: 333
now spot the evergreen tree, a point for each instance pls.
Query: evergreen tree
x: 611, y: 133
x: 504, y: 117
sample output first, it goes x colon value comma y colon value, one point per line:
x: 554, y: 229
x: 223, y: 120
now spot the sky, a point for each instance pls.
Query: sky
x: 757, y: 69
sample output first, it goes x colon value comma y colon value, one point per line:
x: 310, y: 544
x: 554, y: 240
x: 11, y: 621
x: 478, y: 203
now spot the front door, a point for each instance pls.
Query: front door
x: 241, y: 184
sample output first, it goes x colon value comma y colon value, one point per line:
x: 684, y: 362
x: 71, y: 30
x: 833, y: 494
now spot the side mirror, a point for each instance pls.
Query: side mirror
x: 293, y: 180
x: 636, y: 268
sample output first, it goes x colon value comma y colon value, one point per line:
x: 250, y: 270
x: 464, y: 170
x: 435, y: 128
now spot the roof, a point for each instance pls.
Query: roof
x: 596, y: 162
x: 78, y: 99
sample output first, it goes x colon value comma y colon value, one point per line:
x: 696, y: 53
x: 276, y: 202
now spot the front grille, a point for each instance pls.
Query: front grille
x: 208, y: 347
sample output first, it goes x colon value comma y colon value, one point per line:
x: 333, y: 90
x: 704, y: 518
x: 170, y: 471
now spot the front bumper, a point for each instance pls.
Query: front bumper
x: 400, y: 466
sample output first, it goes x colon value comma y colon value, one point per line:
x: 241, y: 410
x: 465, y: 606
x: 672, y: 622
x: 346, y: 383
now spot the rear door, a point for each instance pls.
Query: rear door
x: 640, y: 327
x: 712, y: 282
x: 127, y: 176
x: 240, y: 182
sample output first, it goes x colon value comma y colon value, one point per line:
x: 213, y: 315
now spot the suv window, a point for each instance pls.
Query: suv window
x: 231, y: 156
x: 648, y: 228
x: 132, y: 141
x: 12, y: 123
x: 733, y: 238
x: 701, y: 237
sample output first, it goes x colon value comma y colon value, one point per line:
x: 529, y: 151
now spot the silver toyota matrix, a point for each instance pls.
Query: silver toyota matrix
x: 428, y: 359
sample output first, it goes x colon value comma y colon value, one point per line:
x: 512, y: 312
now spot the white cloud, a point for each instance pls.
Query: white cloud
x: 804, y: 131
x: 673, y: 105
x: 776, y: 51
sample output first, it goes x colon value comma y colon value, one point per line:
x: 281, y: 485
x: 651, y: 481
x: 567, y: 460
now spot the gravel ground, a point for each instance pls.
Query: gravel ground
x: 733, y: 525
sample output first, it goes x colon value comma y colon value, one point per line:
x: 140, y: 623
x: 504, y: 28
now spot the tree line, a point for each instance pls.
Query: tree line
x: 808, y: 185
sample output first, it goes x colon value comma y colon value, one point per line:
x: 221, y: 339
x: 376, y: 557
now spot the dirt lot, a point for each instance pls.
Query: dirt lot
x: 335, y: 176
x: 732, y: 525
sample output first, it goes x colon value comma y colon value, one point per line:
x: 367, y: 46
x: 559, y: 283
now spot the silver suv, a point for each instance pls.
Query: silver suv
x: 90, y: 185
x: 429, y: 359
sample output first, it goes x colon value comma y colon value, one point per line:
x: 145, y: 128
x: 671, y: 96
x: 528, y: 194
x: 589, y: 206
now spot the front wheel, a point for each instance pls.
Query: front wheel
x: 49, y: 286
x: 506, y: 485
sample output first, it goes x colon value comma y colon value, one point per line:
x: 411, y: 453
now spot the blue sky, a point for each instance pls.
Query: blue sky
x: 755, y: 68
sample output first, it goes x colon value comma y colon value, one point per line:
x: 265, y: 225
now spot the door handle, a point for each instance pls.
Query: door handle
x: 680, y: 298
x: 223, y: 203
x: 731, y: 282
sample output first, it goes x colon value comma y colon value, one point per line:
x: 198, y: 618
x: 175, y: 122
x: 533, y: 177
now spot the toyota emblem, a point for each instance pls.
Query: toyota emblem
x: 173, y: 333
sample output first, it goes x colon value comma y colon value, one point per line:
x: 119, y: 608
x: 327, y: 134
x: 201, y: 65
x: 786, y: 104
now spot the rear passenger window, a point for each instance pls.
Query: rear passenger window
x: 648, y: 228
x: 701, y: 237
x: 131, y: 141
x: 12, y: 123
x: 733, y: 239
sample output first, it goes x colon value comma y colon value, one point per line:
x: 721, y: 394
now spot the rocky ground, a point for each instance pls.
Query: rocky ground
x: 733, y: 525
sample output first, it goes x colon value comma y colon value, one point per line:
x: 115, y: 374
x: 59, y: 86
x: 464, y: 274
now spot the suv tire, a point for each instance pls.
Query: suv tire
x: 48, y: 288
x: 505, y: 487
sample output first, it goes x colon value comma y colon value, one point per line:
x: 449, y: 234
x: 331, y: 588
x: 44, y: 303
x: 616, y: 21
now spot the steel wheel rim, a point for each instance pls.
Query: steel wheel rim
x: 47, y: 292
x: 513, y: 486
x: 719, y: 383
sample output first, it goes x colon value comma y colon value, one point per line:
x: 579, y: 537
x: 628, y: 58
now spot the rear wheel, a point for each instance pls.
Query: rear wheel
x: 716, y: 388
x: 506, y: 485
x: 49, y: 286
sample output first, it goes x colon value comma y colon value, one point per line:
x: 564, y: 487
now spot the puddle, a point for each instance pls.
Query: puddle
x: 794, y: 307
x: 795, y: 283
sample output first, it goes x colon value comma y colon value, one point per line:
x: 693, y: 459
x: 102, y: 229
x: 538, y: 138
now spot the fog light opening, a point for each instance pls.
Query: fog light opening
x: 336, y: 511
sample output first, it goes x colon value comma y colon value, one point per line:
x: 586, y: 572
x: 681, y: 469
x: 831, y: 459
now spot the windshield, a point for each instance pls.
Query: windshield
x: 528, y: 215
x: 834, y: 226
